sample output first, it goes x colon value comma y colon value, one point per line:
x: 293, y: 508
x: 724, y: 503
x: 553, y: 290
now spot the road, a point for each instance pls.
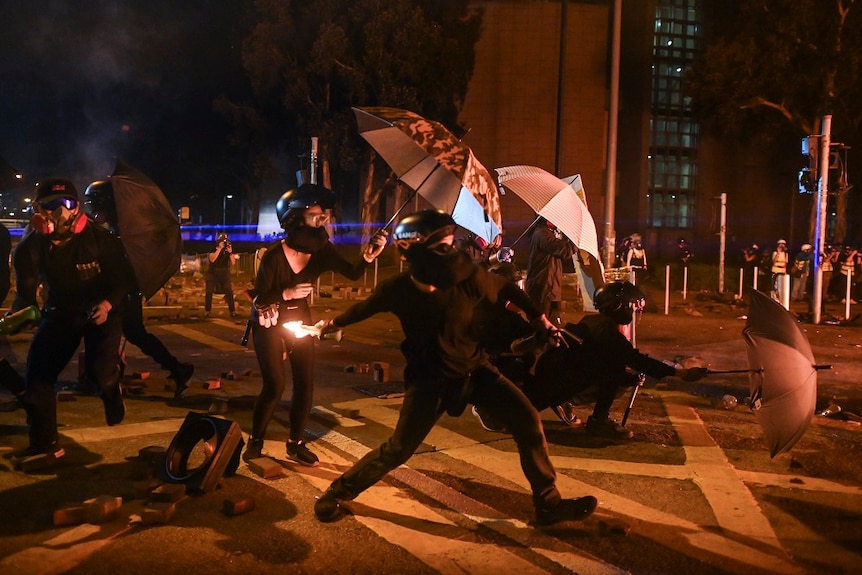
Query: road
x: 694, y: 492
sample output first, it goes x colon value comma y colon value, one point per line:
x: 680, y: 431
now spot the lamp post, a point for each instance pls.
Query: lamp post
x: 224, y: 210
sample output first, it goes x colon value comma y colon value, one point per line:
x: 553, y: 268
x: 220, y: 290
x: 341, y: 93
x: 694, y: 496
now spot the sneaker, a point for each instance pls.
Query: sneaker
x: 253, y: 450
x: 115, y: 408
x: 299, y: 452
x: 488, y: 422
x: 181, y: 375
x: 566, y: 412
x: 567, y: 510
x: 35, y: 458
x: 607, y: 428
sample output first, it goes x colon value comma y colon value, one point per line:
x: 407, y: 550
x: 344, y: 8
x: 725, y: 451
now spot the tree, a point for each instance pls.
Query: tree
x: 309, y: 62
x: 773, y: 62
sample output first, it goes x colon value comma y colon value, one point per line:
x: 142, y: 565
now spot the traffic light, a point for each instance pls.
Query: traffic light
x: 808, y: 175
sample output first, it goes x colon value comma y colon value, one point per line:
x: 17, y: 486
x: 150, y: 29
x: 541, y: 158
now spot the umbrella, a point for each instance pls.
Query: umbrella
x: 147, y: 227
x: 782, y: 372
x: 429, y: 159
x: 555, y: 200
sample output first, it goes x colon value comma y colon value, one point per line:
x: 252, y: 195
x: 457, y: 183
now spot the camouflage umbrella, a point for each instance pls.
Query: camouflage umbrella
x: 429, y: 159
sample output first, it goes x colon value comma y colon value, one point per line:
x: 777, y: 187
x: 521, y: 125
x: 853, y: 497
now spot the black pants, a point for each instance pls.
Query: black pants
x: 54, y: 344
x: 270, y: 345
x: 425, y: 402
x: 136, y: 333
x: 219, y: 281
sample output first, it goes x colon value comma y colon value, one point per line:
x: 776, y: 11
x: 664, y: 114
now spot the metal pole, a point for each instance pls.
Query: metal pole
x: 722, y: 242
x: 312, y: 176
x: 666, y: 289
x: 613, y: 113
x: 820, y: 229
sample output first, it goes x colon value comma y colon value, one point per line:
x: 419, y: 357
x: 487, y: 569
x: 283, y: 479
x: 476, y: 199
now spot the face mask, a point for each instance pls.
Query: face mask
x: 441, y: 267
x: 307, y: 239
x: 59, y: 224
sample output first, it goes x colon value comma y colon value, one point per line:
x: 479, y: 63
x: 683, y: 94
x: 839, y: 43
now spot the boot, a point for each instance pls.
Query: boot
x: 253, y: 450
x: 328, y: 507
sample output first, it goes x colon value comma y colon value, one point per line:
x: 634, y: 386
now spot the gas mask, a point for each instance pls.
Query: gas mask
x: 442, y: 266
x: 59, y: 219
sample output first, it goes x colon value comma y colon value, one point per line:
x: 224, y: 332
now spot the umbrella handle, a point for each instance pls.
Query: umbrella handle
x: 525, y: 232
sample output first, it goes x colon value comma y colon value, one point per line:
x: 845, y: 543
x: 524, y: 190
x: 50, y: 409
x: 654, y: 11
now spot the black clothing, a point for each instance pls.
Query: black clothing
x: 544, y: 282
x: 601, y: 362
x: 446, y: 368
x: 218, y: 281
x: 273, y: 276
x: 89, y: 268
x: 5, y: 273
x: 136, y: 333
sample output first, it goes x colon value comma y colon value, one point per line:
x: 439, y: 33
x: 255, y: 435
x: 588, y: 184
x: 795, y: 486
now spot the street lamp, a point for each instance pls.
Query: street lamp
x: 224, y: 211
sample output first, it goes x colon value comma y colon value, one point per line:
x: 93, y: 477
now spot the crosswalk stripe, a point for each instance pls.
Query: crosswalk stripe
x: 200, y: 337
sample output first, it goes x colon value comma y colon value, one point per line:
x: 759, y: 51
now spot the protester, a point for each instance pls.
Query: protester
x: 100, y: 203
x: 800, y: 273
x: 847, y: 261
x: 548, y: 248
x: 218, y: 279
x: 828, y: 260
x: 780, y: 260
x: 87, y: 276
x: 446, y: 366
x: 750, y: 262
x: 600, y: 359
x: 636, y: 257
x: 284, y: 280
x: 5, y: 272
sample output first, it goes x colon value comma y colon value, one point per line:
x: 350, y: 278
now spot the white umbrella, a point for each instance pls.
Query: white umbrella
x: 555, y: 200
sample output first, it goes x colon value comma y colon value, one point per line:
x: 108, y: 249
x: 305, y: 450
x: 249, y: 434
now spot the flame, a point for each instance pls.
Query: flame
x: 297, y: 328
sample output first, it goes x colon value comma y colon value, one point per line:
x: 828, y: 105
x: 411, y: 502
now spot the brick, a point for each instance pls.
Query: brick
x: 66, y: 395
x: 212, y: 384
x: 141, y: 375
x: 102, y: 508
x: 168, y: 493
x: 145, y: 487
x: 233, y: 507
x: 265, y: 467
x: 158, y: 512
x: 350, y: 412
x: 69, y: 514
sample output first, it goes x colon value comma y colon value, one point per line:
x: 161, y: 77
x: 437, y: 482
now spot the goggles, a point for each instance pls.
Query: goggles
x: 316, y: 219
x: 50, y: 206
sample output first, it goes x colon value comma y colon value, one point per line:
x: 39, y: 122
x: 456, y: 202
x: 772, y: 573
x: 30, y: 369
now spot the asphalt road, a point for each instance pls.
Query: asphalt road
x: 694, y: 492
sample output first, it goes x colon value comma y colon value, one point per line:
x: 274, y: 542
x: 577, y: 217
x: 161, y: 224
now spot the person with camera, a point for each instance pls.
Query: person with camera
x: 86, y: 274
x: 218, y: 279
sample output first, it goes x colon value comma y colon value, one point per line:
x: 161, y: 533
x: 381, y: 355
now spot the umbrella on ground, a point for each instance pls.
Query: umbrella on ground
x: 429, y: 159
x: 782, y: 373
x: 555, y: 200
x: 147, y: 227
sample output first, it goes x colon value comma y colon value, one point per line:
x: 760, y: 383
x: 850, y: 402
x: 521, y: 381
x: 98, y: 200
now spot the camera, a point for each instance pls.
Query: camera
x: 225, y: 244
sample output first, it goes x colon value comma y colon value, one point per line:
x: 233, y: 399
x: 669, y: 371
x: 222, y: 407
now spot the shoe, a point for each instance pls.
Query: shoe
x: 115, y: 407
x: 607, y: 428
x: 328, y: 507
x: 566, y: 412
x: 181, y: 375
x: 35, y: 458
x: 488, y: 422
x: 253, y: 449
x: 567, y: 510
x: 299, y: 452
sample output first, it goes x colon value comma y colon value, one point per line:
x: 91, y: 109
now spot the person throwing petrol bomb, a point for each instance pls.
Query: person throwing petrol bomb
x: 600, y: 360
x: 99, y: 201
x: 87, y: 277
x: 218, y: 278
x: 446, y: 366
x: 284, y: 280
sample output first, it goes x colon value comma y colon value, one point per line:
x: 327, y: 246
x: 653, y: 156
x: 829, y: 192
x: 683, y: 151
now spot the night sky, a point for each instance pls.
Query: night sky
x: 83, y: 82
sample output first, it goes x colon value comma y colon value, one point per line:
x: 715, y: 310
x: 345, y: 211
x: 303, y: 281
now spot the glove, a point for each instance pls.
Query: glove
x: 99, y: 314
x: 546, y: 332
x: 298, y: 291
x: 267, y: 316
x: 692, y: 373
x: 375, y: 245
x: 326, y: 326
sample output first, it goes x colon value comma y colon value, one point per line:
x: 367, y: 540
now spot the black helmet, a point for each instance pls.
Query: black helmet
x: 422, y: 226
x: 51, y: 189
x: 305, y: 196
x: 99, y: 200
x: 616, y: 296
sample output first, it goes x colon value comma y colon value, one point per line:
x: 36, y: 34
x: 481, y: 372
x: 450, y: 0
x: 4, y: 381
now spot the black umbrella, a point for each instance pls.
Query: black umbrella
x: 782, y: 372
x: 147, y: 227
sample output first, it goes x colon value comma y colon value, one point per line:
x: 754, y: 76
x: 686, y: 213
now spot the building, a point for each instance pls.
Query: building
x: 541, y: 97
